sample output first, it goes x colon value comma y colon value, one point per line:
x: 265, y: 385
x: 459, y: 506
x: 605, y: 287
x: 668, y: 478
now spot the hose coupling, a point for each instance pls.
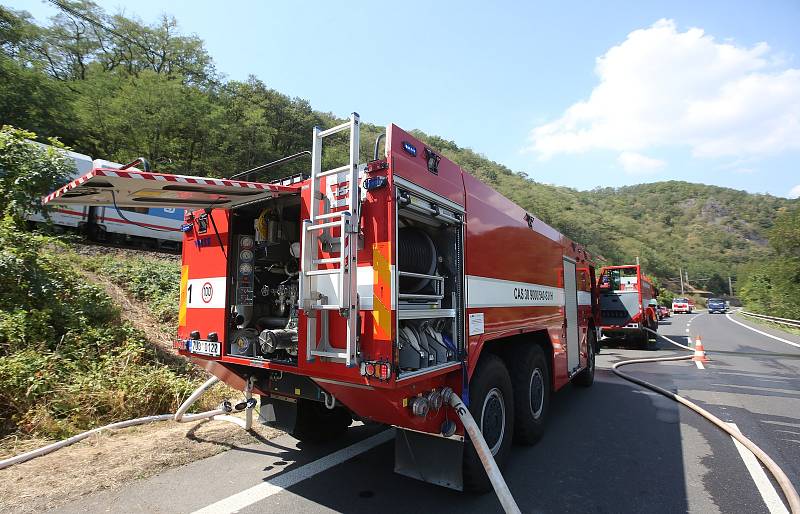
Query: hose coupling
x: 447, y: 392
x: 330, y: 400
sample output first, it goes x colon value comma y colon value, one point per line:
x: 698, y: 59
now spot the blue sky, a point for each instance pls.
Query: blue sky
x: 581, y: 94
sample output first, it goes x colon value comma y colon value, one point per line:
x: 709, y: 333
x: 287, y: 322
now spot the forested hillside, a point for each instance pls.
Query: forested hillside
x: 119, y: 88
x: 709, y: 231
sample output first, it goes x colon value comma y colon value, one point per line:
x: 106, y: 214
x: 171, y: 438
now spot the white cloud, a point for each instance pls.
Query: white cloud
x: 794, y: 192
x: 637, y: 164
x: 663, y: 87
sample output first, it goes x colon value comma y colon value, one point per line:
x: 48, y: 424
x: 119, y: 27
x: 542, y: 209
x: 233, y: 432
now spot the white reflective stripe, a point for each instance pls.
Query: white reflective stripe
x: 206, y: 293
x: 493, y: 292
x: 329, y: 286
x: 584, y: 298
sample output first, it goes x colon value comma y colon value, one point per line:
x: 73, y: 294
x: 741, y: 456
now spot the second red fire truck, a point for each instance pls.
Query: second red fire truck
x: 627, y: 303
x: 366, y: 290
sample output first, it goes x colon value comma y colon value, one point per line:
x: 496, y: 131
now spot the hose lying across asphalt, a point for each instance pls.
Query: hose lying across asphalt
x: 221, y: 413
x: 780, y: 477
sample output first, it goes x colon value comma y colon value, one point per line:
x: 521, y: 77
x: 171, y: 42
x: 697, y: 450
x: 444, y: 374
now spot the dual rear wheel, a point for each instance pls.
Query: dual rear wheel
x: 512, y: 403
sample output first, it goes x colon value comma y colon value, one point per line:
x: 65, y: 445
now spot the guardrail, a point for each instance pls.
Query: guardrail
x: 782, y: 321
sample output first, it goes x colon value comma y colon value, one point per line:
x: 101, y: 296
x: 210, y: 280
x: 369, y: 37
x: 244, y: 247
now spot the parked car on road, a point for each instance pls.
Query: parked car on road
x: 717, y: 305
x: 663, y: 312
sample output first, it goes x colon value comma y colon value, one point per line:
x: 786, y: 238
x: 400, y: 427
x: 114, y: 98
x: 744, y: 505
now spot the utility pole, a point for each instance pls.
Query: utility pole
x: 680, y: 273
x: 730, y: 286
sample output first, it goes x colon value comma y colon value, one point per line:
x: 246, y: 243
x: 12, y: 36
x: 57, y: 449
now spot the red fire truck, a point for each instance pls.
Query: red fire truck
x: 627, y: 303
x: 365, y: 290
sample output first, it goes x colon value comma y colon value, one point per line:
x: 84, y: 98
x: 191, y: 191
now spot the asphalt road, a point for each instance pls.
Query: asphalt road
x: 611, y: 448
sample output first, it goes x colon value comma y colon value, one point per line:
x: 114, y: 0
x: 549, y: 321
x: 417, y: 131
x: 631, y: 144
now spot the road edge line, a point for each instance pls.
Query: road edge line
x: 768, y: 493
x: 727, y: 315
x: 283, y: 481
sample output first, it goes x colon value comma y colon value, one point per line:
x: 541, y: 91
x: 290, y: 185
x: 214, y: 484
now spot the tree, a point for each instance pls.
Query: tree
x: 28, y: 171
x: 785, y: 234
x: 148, y: 115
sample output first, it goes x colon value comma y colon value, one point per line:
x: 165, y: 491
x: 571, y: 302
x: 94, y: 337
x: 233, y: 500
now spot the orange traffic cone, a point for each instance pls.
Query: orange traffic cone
x: 699, y: 351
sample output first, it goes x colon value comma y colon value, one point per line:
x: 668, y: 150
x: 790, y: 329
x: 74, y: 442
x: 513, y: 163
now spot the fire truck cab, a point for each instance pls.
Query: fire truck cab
x: 365, y: 290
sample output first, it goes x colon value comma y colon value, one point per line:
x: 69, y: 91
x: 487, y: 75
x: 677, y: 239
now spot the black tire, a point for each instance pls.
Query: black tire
x: 597, y: 344
x: 586, y: 377
x: 316, y: 423
x: 643, y: 339
x: 492, y: 405
x: 531, y: 394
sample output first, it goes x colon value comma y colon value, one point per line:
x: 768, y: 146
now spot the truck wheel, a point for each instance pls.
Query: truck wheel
x: 316, y: 423
x: 644, y: 337
x: 531, y: 378
x: 586, y: 377
x: 492, y: 406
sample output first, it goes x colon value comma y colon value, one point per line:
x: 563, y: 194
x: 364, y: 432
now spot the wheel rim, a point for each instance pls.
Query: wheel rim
x: 536, y: 391
x: 493, y: 420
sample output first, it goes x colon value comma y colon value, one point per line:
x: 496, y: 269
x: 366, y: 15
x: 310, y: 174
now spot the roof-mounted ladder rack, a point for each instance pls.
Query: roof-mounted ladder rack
x: 341, y: 270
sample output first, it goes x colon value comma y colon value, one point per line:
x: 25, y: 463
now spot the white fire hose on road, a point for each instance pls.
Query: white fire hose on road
x: 783, y: 481
x: 222, y: 413
x: 484, y: 453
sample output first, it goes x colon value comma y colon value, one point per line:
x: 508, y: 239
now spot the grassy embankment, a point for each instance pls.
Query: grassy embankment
x: 70, y: 359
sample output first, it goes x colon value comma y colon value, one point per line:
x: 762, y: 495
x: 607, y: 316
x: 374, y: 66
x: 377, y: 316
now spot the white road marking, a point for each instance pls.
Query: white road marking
x: 699, y: 365
x: 768, y: 492
x: 687, y: 330
x: 275, y: 485
x: 762, y: 333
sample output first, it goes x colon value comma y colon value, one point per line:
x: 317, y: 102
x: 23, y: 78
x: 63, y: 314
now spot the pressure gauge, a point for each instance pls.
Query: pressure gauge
x: 246, y: 242
x: 245, y: 268
x: 246, y: 255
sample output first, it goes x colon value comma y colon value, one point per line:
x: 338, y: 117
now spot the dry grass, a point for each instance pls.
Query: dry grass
x: 114, y: 458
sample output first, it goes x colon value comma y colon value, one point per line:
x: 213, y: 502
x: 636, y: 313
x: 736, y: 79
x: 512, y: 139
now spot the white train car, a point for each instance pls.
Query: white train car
x: 160, y: 227
x: 73, y: 216
x: 131, y: 224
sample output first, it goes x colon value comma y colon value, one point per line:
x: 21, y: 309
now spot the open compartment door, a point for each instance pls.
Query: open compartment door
x: 130, y: 188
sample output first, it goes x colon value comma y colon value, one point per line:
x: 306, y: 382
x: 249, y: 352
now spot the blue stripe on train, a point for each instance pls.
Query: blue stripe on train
x: 169, y: 213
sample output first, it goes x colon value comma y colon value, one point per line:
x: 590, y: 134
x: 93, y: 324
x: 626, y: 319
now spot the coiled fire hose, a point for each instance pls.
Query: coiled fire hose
x: 780, y: 477
x: 222, y: 413
x: 484, y: 453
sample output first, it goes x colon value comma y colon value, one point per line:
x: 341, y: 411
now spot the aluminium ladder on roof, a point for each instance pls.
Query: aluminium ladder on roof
x: 341, y: 269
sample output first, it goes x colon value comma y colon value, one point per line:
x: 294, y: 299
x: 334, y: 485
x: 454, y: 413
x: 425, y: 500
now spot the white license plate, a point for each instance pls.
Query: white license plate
x: 205, y: 347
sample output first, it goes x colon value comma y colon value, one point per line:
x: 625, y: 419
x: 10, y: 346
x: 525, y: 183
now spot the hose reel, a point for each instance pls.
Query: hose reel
x: 416, y: 253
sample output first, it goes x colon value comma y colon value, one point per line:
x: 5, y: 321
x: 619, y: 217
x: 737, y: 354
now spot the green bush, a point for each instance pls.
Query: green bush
x: 771, y: 286
x: 27, y: 171
x: 67, y: 360
x: 152, y: 280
